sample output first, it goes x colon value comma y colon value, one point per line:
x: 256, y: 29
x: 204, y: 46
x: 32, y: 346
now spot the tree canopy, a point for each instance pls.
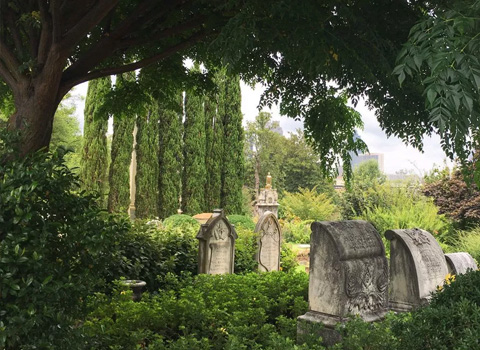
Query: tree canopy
x: 310, y: 55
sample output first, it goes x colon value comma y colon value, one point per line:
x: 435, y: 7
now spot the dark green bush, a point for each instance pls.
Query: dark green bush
x: 242, y: 221
x: 250, y: 311
x: 148, y: 252
x: 55, y: 244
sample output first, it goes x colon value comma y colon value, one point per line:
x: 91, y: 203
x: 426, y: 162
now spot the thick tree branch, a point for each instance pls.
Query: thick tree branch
x: 68, y: 84
x: 56, y: 20
x: 88, y: 22
x: 45, y: 41
x: 9, y: 60
x: 7, y: 76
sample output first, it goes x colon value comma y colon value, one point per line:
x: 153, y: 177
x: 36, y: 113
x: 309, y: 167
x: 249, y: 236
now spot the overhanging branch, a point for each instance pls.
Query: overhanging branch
x: 67, y: 85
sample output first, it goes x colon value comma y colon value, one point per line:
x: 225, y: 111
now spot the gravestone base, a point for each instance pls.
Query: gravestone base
x: 400, y: 307
x: 317, y: 324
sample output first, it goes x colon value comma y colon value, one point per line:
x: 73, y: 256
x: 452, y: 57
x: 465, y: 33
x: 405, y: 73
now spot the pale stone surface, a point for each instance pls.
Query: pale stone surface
x: 417, y: 267
x: 269, y: 241
x: 348, y: 274
x: 459, y: 263
x: 216, y: 245
x: 202, y: 218
x: 267, y: 199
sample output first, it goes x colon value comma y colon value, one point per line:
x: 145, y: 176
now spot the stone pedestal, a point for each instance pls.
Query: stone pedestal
x: 417, y: 267
x: 459, y: 263
x: 269, y: 242
x: 216, y: 250
x: 348, y: 276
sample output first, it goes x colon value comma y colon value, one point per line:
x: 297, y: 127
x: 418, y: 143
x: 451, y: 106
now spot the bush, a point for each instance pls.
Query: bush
x: 149, y: 252
x: 242, y: 221
x: 251, y: 311
x: 185, y: 223
x: 451, y: 321
x: 308, y: 205
x: 469, y: 241
x: 55, y: 245
x: 296, y: 231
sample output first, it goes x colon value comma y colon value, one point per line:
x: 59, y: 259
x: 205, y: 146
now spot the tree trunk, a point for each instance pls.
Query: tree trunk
x: 37, y: 97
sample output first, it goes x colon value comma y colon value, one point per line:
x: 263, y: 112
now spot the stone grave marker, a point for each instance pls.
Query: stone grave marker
x: 348, y: 275
x: 459, y: 263
x: 216, y: 245
x: 417, y: 267
x: 269, y: 241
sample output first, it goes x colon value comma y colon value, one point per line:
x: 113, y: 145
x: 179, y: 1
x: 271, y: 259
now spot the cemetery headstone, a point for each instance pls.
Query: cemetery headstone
x: 269, y: 241
x: 348, y: 275
x: 216, y: 245
x: 459, y: 263
x: 417, y: 267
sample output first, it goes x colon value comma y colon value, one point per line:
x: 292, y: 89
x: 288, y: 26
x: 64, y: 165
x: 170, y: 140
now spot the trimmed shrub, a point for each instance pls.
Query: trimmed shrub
x: 242, y: 221
x: 251, y: 311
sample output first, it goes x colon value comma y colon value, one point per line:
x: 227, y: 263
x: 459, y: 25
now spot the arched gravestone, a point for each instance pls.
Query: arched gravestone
x: 417, y: 267
x: 269, y: 241
x: 459, y: 263
x: 216, y: 245
x: 348, y: 275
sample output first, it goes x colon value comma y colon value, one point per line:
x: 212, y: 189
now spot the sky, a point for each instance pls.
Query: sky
x: 397, y: 156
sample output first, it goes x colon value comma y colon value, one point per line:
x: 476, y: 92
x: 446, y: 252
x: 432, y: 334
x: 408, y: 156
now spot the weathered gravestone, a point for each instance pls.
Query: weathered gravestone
x: 348, y: 275
x: 269, y: 241
x: 417, y: 267
x: 216, y: 245
x: 459, y: 263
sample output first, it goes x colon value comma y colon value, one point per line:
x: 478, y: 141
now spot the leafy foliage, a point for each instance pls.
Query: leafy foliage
x: 121, y: 154
x: 206, y: 312
x: 232, y: 170
x: 308, y: 205
x: 146, y: 178
x: 442, y: 52
x: 170, y: 156
x: 55, y: 245
x: 93, y: 171
x: 194, y: 171
x: 457, y: 199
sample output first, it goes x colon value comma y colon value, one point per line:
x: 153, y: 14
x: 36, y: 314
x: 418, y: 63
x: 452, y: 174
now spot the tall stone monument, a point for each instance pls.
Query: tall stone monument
x: 459, y: 263
x: 269, y: 242
x: 267, y: 199
x: 417, y: 267
x: 348, y: 275
x: 216, y: 250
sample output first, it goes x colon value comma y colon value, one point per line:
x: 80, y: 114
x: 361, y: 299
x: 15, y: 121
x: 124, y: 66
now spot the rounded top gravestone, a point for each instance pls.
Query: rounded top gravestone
x: 269, y: 241
x: 417, y: 267
x: 459, y: 263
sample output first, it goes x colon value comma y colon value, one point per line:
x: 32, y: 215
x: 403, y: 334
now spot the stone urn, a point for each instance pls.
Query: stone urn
x: 136, y: 286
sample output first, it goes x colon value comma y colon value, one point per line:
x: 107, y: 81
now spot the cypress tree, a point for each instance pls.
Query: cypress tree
x: 121, y: 154
x: 146, y: 180
x: 170, y: 157
x: 214, y: 153
x: 233, y: 159
x: 194, y: 172
x: 93, y: 171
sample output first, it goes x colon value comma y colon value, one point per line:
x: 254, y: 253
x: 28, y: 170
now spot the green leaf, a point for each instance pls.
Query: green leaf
x: 431, y: 95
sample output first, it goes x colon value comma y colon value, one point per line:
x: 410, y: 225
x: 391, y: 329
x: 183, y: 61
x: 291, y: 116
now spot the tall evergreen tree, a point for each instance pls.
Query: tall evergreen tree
x: 170, y: 157
x: 194, y: 172
x: 146, y: 195
x: 93, y: 171
x: 214, y: 153
x: 233, y: 159
x: 121, y: 154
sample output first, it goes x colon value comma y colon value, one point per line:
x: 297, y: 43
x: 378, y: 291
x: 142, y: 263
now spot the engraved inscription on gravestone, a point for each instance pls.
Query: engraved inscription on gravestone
x: 417, y: 267
x: 348, y: 275
x: 216, y: 245
x: 269, y: 241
